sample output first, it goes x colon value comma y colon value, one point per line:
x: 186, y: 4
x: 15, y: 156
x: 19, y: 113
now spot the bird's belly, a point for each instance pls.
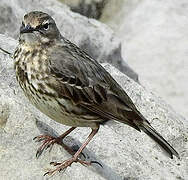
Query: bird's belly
x: 62, y: 110
x: 59, y: 109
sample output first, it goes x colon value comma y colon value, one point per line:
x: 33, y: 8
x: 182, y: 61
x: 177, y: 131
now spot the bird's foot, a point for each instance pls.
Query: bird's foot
x: 48, y: 142
x: 62, y: 166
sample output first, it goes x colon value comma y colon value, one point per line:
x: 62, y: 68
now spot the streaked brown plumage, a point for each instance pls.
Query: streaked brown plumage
x: 70, y: 87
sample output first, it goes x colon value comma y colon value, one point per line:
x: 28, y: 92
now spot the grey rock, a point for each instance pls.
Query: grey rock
x: 95, y: 38
x: 4, y: 114
x: 154, y: 36
x: 123, y: 152
x: 88, y: 8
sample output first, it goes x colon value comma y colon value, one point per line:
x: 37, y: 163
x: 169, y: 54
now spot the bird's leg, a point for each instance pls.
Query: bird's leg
x: 49, y: 141
x: 66, y: 163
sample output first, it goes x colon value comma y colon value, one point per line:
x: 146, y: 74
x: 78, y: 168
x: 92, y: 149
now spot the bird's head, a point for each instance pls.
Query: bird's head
x: 38, y: 27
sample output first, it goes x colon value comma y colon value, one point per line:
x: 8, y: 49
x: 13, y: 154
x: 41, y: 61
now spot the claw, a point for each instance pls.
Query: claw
x: 95, y: 162
x: 48, y: 145
x: 75, y: 148
x: 54, y: 163
x: 51, y: 163
x: 41, y: 149
x: 34, y: 139
x: 46, y: 173
x: 41, y: 138
x: 38, y: 153
x: 83, y: 155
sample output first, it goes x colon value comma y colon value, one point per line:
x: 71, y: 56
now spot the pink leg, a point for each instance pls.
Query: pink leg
x: 65, y: 164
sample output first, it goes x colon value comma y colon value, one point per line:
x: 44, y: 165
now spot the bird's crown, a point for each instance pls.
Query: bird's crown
x: 36, y: 19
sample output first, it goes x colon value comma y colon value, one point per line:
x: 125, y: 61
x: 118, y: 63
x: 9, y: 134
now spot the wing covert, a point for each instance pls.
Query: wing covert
x: 82, y: 79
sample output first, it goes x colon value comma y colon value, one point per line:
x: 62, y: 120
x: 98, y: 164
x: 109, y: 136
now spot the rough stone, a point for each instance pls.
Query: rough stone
x: 123, y: 152
x: 88, y: 8
x: 4, y: 114
x: 154, y: 36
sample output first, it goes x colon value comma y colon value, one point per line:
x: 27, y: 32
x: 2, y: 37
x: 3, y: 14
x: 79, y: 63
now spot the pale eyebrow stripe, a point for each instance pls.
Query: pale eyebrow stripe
x: 46, y: 21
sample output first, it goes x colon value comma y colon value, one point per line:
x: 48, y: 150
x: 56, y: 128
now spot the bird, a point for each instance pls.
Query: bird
x: 72, y: 88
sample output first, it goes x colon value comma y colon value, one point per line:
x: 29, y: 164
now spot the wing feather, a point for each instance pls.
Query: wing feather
x: 86, y: 83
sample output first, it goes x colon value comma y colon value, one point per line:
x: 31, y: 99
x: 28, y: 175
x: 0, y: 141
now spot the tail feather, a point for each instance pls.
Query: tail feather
x: 150, y: 131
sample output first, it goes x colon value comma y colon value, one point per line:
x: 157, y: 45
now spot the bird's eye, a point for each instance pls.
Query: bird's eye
x: 46, y: 26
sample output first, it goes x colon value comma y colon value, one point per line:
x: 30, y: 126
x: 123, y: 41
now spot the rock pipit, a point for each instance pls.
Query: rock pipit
x: 70, y: 87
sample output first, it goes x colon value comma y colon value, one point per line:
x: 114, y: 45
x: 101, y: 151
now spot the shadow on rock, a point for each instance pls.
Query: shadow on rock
x: 97, y: 166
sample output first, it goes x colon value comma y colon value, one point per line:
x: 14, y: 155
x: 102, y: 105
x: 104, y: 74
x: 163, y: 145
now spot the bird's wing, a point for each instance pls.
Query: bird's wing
x: 87, y: 83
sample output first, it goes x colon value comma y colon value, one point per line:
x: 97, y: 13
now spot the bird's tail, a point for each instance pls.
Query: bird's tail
x: 150, y: 131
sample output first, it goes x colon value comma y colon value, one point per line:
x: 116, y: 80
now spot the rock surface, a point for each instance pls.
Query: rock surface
x: 123, y: 152
x: 88, y: 8
x: 154, y: 37
x: 95, y: 38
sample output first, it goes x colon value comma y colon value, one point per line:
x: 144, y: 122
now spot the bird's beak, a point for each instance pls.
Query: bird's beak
x: 26, y: 29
